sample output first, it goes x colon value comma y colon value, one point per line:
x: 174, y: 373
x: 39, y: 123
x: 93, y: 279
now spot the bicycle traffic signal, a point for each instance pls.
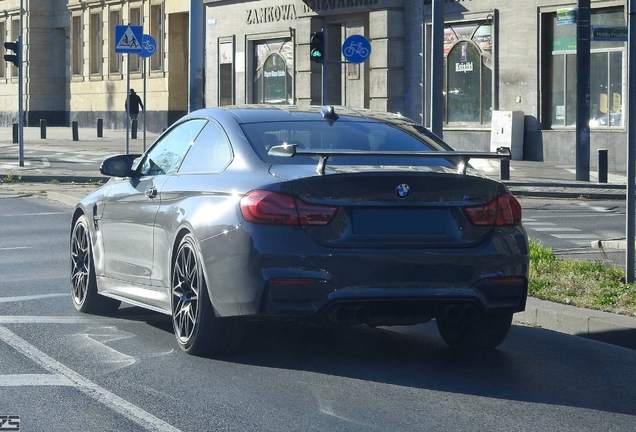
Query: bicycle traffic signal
x: 13, y: 58
x: 317, y: 47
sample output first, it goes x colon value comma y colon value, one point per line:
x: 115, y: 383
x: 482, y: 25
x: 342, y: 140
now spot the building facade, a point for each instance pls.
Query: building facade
x: 498, y: 57
x: 71, y: 71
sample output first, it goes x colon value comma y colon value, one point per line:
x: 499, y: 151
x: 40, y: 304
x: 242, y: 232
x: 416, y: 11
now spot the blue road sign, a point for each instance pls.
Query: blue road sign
x: 128, y: 39
x: 149, y: 46
x: 356, y: 49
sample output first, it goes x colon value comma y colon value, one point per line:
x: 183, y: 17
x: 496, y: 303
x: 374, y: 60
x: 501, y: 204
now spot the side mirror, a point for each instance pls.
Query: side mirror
x: 119, y: 166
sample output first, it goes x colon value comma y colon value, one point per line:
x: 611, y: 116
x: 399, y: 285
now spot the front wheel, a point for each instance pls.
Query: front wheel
x: 197, y: 329
x: 487, y: 332
x: 83, y: 280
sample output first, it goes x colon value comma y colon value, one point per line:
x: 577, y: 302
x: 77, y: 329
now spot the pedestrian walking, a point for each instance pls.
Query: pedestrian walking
x: 133, y: 102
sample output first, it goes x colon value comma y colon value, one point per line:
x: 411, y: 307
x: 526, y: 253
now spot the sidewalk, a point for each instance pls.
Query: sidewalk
x: 65, y: 170
x: 58, y: 158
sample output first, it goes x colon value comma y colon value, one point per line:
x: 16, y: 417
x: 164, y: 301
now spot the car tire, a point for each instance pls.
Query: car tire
x: 83, y: 280
x: 487, y: 332
x: 197, y: 328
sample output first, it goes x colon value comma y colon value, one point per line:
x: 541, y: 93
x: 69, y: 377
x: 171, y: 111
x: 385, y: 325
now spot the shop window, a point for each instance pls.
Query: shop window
x: 226, y: 82
x: 114, y: 59
x: 156, y: 31
x: 607, y: 79
x: 96, y: 43
x: 468, y: 77
x: 76, y: 44
x: 274, y: 63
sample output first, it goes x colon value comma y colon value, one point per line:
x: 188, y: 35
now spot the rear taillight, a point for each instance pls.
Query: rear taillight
x: 266, y: 207
x: 503, y: 210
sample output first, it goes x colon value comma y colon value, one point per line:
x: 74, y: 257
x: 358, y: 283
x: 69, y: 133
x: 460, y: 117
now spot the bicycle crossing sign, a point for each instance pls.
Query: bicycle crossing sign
x: 356, y: 49
x: 128, y: 39
x: 149, y: 46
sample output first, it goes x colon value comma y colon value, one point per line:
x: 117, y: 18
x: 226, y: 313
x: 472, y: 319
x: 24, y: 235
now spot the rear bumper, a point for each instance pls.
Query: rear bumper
x: 392, y: 306
x: 296, y: 278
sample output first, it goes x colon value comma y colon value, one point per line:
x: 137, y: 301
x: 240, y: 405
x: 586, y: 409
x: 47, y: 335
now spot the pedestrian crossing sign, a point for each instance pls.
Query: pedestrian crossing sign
x: 128, y: 39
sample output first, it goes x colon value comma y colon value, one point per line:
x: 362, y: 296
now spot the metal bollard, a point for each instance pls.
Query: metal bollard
x: 504, y: 169
x: 100, y: 128
x: 602, y: 166
x: 75, y: 131
x: 15, y: 133
x: 43, y: 128
x: 133, y: 131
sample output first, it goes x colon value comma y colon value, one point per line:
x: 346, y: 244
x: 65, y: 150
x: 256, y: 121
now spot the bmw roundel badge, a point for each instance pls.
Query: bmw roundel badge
x: 402, y: 191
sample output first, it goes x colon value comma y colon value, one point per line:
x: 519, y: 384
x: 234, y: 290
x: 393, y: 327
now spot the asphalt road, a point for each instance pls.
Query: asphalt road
x: 62, y: 370
x: 570, y: 226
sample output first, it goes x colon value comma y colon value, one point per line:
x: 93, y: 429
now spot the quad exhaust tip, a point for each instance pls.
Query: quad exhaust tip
x: 359, y: 314
x: 342, y: 314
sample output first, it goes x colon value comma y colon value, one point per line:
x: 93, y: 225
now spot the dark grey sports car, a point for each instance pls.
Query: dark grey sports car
x: 305, y: 213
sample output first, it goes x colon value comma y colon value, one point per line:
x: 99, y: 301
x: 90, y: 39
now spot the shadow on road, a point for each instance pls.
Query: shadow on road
x: 528, y: 367
x: 533, y: 365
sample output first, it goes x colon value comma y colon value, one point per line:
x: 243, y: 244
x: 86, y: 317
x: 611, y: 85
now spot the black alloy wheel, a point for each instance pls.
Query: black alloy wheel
x: 197, y: 329
x: 83, y: 280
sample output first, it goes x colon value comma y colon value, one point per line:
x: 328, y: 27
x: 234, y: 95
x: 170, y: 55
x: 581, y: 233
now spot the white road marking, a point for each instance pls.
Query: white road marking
x: 15, y: 248
x: 34, y: 214
x: 30, y: 319
x: 78, y: 319
x: 29, y: 297
x: 539, y: 224
x: 95, y: 344
x: 101, y: 395
x: 569, y: 215
x: 555, y: 228
x: 19, y: 380
x: 576, y: 236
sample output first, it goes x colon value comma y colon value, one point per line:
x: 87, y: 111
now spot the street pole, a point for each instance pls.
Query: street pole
x: 20, y: 91
x: 128, y: 103
x: 323, y: 93
x: 196, y: 73
x: 583, y: 91
x: 631, y: 144
x: 144, y: 109
x: 437, y: 69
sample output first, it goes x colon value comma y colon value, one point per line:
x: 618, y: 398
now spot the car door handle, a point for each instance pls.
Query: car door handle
x: 151, y: 192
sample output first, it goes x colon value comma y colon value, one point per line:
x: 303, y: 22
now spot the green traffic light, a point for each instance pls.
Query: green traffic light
x: 317, y: 47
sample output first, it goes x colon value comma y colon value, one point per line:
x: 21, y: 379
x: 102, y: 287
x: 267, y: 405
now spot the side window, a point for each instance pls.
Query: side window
x: 166, y: 155
x: 210, y: 153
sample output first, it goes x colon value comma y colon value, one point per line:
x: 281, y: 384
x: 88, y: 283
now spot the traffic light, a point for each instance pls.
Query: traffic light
x: 13, y: 58
x: 317, y: 47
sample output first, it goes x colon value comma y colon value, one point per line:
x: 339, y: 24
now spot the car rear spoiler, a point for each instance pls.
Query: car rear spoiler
x: 291, y: 150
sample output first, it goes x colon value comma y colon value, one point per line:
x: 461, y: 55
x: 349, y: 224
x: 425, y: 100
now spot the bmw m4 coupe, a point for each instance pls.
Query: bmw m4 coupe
x: 318, y: 214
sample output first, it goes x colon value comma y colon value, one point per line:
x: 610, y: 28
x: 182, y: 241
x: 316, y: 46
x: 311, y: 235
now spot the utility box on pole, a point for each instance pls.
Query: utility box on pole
x: 507, y: 131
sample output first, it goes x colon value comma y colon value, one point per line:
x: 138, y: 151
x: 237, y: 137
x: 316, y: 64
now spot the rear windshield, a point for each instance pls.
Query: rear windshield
x: 345, y: 135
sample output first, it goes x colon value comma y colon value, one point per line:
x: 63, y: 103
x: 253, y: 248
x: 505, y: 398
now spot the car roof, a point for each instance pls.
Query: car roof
x: 243, y: 114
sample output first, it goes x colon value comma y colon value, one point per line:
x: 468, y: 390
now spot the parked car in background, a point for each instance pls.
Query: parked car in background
x: 321, y: 214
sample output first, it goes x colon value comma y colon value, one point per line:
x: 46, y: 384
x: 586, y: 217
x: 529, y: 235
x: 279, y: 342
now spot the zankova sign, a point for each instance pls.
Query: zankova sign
x: 271, y: 14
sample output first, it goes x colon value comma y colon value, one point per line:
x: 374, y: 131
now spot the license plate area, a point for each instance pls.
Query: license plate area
x: 401, y: 221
